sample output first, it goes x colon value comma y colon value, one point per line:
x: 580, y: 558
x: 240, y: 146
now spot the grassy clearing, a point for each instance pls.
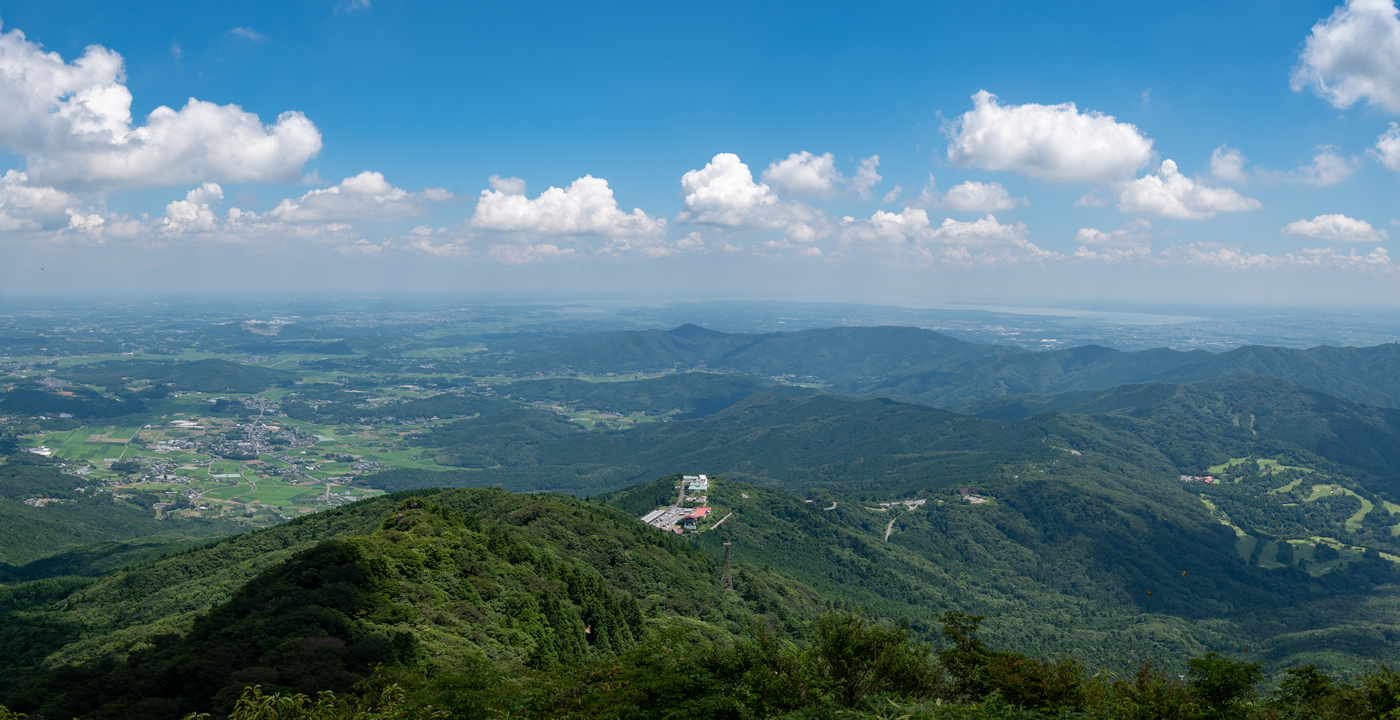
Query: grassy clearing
x: 1266, y: 466
x: 1269, y: 467
x: 1305, y: 551
x: 1354, y: 522
x: 1221, y: 468
x: 280, y: 494
x: 92, y: 444
x: 1244, y: 544
x: 597, y: 419
x: 1268, y: 557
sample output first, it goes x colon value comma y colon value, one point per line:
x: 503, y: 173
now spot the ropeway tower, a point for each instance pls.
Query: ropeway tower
x: 725, y: 579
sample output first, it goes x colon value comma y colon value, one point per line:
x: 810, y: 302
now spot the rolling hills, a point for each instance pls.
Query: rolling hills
x: 211, y: 375
x: 77, y: 517
x: 688, y: 395
x: 447, y: 580
x: 1085, y: 511
x: 933, y: 368
x: 1061, y: 494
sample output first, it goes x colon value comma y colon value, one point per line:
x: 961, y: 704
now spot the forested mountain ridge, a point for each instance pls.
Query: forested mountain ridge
x: 688, y: 395
x: 455, y: 583
x: 209, y: 375
x: 439, y: 580
x: 1079, y: 522
x: 1084, y: 557
x: 936, y: 369
x: 851, y: 444
x: 837, y: 354
x: 1084, y: 513
x: 1237, y: 415
x: 791, y: 442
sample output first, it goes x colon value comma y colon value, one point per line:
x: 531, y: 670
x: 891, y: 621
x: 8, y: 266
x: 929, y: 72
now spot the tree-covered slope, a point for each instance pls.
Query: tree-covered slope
x: 439, y: 580
x: 76, y: 517
x: 691, y: 394
x: 838, y: 355
x: 1370, y: 375
x: 1196, y: 424
x: 30, y: 400
x: 1082, y: 556
x: 212, y: 375
x: 795, y: 442
x: 936, y: 369
x: 344, y: 408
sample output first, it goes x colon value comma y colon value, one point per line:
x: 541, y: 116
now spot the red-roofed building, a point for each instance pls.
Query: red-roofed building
x: 689, y: 521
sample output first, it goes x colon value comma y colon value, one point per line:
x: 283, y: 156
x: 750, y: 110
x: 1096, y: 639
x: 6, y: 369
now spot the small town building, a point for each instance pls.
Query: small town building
x: 689, y: 522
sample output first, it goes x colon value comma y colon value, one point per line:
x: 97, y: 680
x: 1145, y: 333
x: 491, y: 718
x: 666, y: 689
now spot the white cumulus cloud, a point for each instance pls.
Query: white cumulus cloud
x: 586, y: 207
x: 1173, y: 195
x: 1227, y: 164
x: 196, y: 212
x: 984, y: 241
x: 367, y: 196
x: 1052, y: 142
x: 867, y: 177
x: 1131, y: 235
x: 72, y: 123
x: 973, y: 196
x: 28, y: 207
x: 1336, y: 229
x: 1112, y: 255
x: 984, y: 231
x: 723, y: 193
x: 1387, y: 149
x: 1327, y: 168
x: 805, y: 175
x: 909, y: 225
x: 507, y: 185
x: 523, y: 254
x: 1234, y: 258
x: 1354, y: 54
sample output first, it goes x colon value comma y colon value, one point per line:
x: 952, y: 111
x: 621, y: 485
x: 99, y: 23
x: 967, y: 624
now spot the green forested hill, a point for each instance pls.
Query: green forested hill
x: 691, y: 394
x: 212, y: 375
x: 1364, y: 374
x: 839, y: 355
x: 1085, y: 513
x: 442, y: 581
x: 879, y: 445
x: 464, y: 590
x: 509, y: 437
x: 100, y: 558
x: 343, y: 409
x: 1085, y: 560
x: 28, y: 533
x: 1193, y: 424
x: 933, y: 368
x: 82, y: 403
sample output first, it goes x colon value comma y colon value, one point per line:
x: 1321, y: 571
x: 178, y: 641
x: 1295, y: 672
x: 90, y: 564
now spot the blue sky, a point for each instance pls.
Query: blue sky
x: 701, y: 133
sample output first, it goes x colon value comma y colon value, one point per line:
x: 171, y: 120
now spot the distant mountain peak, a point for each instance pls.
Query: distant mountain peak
x: 691, y: 330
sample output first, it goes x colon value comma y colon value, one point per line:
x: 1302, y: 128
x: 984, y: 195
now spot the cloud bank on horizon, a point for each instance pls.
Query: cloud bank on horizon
x: 1114, y: 194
